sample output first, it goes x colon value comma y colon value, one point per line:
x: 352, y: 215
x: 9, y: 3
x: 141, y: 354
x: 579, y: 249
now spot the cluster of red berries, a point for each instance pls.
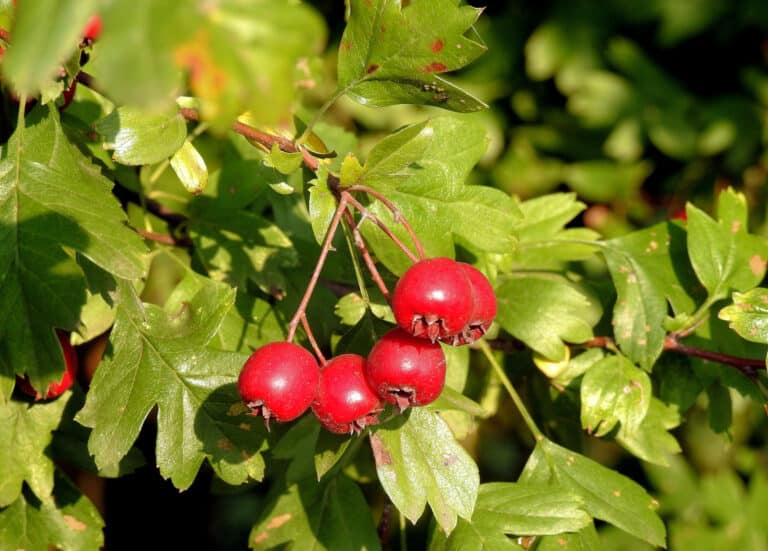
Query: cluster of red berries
x: 436, y: 300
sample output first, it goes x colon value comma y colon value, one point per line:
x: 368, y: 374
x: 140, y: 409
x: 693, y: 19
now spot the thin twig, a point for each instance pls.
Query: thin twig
x: 382, y: 226
x: 163, y: 238
x: 327, y: 244
x: 311, y: 338
x: 748, y: 366
x: 365, y: 253
x: 396, y: 214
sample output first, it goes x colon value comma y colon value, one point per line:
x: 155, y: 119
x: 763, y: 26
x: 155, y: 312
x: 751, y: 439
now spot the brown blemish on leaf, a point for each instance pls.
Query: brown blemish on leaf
x: 735, y: 226
x: 371, y: 68
x: 434, y: 67
x: 563, y: 542
x: 654, y: 504
x: 570, y: 460
x: 345, y: 46
x: 278, y: 521
x: 617, y: 493
x: 437, y: 45
x: 757, y: 265
x: 380, y: 454
x: 449, y: 459
x: 225, y: 444
x: 260, y: 537
x: 205, y: 77
x: 74, y: 524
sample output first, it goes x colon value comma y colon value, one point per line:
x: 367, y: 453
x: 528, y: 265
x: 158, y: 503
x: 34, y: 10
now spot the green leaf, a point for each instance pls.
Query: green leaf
x: 649, y: 269
x: 606, y: 494
x: 542, y: 235
x: 139, y: 137
x: 614, y: 391
x: 391, y: 53
x: 545, y: 311
x: 351, y: 308
x: 651, y: 440
x: 724, y: 256
x: 53, y: 200
x: 331, y: 516
x: 419, y: 462
x: 748, y: 315
x: 283, y: 161
x: 720, y: 410
x: 421, y: 170
x: 518, y: 509
x: 322, y: 205
x: 71, y: 523
x: 585, y: 539
x: 159, y: 358
x: 190, y: 168
x: 45, y: 34
x: 25, y: 431
x: 453, y: 400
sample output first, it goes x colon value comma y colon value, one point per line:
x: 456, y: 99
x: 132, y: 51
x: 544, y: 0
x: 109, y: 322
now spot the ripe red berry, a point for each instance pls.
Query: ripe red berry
x: 483, y: 307
x: 279, y: 381
x: 92, y: 29
x: 406, y: 370
x: 433, y: 299
x: 56, y: 389
x: 345, y: 404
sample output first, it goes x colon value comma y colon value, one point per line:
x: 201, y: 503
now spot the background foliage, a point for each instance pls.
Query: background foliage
x: 601, y: 126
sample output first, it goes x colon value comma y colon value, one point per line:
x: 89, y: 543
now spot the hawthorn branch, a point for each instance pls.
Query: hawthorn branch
x: 163, y: 238
x: 749, y: 367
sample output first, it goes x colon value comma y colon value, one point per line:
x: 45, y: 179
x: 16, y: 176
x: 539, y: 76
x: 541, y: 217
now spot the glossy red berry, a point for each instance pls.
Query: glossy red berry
x: 345, y: 404
x: 433, y: 299
x: 92, y: 29
x: 56, y: 389
x: 279, y: 381
x: 406, y: 370
x: 483, y: 307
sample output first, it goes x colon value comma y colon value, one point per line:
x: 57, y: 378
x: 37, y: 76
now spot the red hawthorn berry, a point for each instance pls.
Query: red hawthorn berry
x: 92, y: 29
x: 406, y: 370
x: 279, y: 381
x: 483, y: 307
x: 345, y: 404
x: 680, y: 215
x: 433, y: 299
x: 56, y: 389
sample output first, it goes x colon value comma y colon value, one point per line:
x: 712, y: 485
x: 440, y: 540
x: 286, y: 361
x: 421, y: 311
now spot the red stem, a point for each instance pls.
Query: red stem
x: 748, y: 366
x: 368, y: 214
x: 396, y: 214
x: 370, y: 264
x: 300, y: 311
x: 311, y: 338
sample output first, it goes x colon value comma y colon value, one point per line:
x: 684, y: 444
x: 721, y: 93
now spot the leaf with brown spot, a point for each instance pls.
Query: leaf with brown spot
x: 386, y: 58
x: 412, y: 467
x: 68, y: 521
x: 748, y: 315
x: 331, y: 515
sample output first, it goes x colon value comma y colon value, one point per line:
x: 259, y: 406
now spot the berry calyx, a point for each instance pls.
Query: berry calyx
x: 279, y: 381
x: 56, y: 388
x: 433, y: 299
x: 406, y: 370
x: 484, y: 307
x: 345, y: 404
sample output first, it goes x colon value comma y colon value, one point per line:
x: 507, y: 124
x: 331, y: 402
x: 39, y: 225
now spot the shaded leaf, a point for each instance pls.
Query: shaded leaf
x: 159, y: 358
x: 332, y: 515
x: 26, y: 431
x: 52, y: 198
x: 70, y: 523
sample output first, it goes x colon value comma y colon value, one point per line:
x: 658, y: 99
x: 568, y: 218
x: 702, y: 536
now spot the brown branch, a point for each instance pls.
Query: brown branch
x: 749, y: 367
x: 163, y: 238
